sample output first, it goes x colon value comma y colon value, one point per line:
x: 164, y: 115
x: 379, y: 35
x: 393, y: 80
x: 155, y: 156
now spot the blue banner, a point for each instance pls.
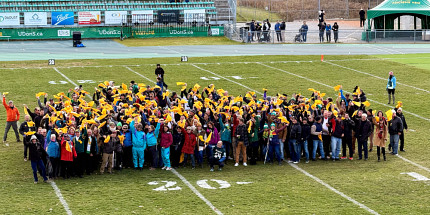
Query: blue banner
x: 62, y: 18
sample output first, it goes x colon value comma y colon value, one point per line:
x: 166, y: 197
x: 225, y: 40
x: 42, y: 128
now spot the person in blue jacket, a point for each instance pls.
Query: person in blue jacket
x: 225, y: 134
x: 139, y: 144
x: 53, y: 150
x: 218, y: 156
x: 151, y: 141
x: 128, y: 146
x: 391, y: 86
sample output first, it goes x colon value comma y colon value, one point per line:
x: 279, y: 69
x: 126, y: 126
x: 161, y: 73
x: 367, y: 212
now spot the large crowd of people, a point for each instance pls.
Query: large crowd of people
x: 129, y: 126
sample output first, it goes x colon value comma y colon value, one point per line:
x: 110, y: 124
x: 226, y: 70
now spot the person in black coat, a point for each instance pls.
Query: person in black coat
x: 306, y: 134
x: 405, y: 127
x: 349, y: 125
x: 159, y: 72
x: 362, y: 14
x: 36, y: 153
x: 395, y: 128
x: 362, y: 134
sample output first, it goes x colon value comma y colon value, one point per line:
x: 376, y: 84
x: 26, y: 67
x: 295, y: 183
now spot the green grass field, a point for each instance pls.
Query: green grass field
x: 274, y: 189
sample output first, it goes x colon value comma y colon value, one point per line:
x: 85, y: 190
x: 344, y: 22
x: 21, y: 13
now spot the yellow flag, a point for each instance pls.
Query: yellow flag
x: 366, y: 103
x: 68, y: 147
x: 337, y: 88
x: 121, y: 139
x: 107, y: 139
x: 180, y: 83
x: 181, y: 159
x: 102, y: 124
x: 31, y: 123
x: 250, y: 126
x: 389, y: 114
x: 5, y: 93
x: 29, y: 133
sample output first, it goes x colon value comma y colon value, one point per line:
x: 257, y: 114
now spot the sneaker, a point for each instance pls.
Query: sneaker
x: 25, y: 159
x: 236, y: 164
x: 163, y: 168
x: 220, y: 169
x: 193, y: 167
x: 343, y: 158
x: 290, y: 161
x: 212, y: 169
x: 351, y: 158
x: 307, y: 161
x: 244, y: 164
x: 280, y: 163
x: 370, y: 150
x: 152, y: 169
x: 169, y: 168
x: 365, y: 159
x: 35, y: 182
x: 295, y: 162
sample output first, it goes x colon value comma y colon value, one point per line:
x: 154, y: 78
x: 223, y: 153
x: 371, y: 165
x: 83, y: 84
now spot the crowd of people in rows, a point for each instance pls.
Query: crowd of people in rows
x: 127, y: 126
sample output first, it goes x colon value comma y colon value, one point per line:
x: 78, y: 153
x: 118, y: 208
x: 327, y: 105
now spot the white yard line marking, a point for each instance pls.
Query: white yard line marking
x: 226, y: 79
x: 62, y: 200
x: 68, y: 79
x: 317, y: 82
x: 197, y: 192
x: 140, y: 75
x: 385, y: 79
x: 334, y: 190
x: 413, y: 163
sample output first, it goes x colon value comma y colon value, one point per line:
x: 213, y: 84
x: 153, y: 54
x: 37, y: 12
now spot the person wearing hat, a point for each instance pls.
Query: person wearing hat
x: 391, y: 86
x: 159, y: 72
x: 12, y: 117
x: 36, y: 153
x: 316, y: 133
x: 395, y: 128
x: 128, y: 147
x: 399, y: 113
x: 242, y: 142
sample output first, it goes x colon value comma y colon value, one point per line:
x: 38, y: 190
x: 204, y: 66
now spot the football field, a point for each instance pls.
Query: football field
x: 399, y: 185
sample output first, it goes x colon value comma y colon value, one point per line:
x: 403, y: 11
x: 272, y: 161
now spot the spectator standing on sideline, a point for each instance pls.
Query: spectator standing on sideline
x: 159, y: 72
x: 283, y: 27
x: 391, y: 86
x: 258, y: 29
x: 252, y: 29
x: 278, y: 31
x: 405, y: 127
x: 12, y: 117
x: 328, y: 32
x: 321, y: 28
x: 335, y: 32
x: 304, y: 31
x: 395, y: 128
x: 362, y: 17
x: 381, y: 134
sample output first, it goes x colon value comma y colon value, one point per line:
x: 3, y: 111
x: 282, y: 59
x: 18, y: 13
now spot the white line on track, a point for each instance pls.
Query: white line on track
x: 375, y: 76
x: 335, y: 190
x: 413, y: 163
x: 140, y: 75
x: 196, y: 192
x: 68, y: 79
x: 317, y: 82
x: 62, y: 200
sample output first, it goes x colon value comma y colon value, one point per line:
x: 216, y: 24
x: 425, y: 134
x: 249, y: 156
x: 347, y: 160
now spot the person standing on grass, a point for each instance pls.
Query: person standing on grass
x: 405, y: 128
x: 278, y: 31
x: 139, y: 144
x: 326, y: 139
x: 36, y: 154
x: 304, y: 31
x: 395, y: 128
x: 189, y: 145
x: 362, y: 14
x: 242, y: 142
x: 218, y: 156
x: 381, y: 131
x: 128, y: 147
x: 306, y: 133
x: 25, y: 127
x: 391, y: 86
x: 328, y: 32
x: 337, y: 133
x: 225, y: 134
x: 53, y: 150
x: 316, y: 132
x: 151, y: 141
x: 295, y: 135
x: 68, y: 153
x: 274, y: 146
x: 363, y: 133
x: 349, y: 125
x: 252, y: 29
x: 12, y: 117
x: 80, y: 147
x: 321, y: 28
x: 108, y: 148
x: 165, y: 142
x: 159, y: 72
x: 335, y: 32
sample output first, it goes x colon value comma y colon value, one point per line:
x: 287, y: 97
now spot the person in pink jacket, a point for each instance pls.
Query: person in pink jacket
x: 165, y: 142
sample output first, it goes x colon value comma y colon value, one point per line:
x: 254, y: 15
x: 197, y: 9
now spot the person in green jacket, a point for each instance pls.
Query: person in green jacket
x: 252, y: 127
x: 225, y: 134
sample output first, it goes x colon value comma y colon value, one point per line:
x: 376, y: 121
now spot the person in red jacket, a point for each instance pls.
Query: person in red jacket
x: 189, y: 145
x: 12, y: 114
x: 165, y: 142
x: 67, y: 154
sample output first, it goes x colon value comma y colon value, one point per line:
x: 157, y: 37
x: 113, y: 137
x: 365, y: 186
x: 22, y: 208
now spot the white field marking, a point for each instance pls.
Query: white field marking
x: 140, y: 75
x: 334, y: 190
x: 383, y: 47
x: 317, y: 82
x: 380, y: 49
x: 62, y: 200
x: 169, y: 49
x: 413, y: 163
x: 226, y: 79
x: 242, y: 182
x: 68, y: 79
x: 418, y: 177
x: 385, y: 79
x: 168, y: 185
x: 204, y: 184
x: 197, y: 192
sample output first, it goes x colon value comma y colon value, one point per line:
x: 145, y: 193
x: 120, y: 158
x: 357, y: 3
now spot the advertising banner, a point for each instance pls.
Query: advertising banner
x: 142, y: 16
x: 62, y: 18
x: 61, y: 33
x: 168, y: 16
x: 35, y: 18
x: 115, y: 17
x: 89, y: 18
x: 195, y: 15
x: 8, y: 19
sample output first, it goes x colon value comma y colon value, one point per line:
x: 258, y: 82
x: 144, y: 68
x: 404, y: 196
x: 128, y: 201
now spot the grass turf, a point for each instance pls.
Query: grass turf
x: 275, y: 189
x: 246, y: 14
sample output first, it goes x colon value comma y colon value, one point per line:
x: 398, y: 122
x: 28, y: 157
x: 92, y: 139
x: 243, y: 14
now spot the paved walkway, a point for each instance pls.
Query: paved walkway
x: 108, y: 49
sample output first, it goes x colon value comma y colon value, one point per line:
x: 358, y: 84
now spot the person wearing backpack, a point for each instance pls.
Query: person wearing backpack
x: 391, y: 86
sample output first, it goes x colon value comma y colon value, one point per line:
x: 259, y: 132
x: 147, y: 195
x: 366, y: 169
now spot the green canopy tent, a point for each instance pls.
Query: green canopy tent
x: 385, y: 13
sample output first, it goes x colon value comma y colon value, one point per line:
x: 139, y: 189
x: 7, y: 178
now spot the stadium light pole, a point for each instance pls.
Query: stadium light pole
x: 319, y: 5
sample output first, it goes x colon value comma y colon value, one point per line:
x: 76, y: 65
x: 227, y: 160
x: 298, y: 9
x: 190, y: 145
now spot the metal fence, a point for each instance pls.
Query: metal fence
x: 314, y: 36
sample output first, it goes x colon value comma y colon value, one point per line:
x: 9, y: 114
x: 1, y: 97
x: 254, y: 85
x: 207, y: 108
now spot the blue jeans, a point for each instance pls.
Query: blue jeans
x: 193, y: 162
x: 317, y: 144
x: 199, y: 155
x: 297, y: 150
x: 394, y: 141
x: 291, y: 149
x: 304, y: 144
x: 34, y: 165
x: 304, y: 36
x: 281, y: 148
x: 336, y: 143
x: 362, y: 145
x: 274, y: 147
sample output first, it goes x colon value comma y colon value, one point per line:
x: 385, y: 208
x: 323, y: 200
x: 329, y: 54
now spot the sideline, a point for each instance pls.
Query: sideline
x: 62, y: 200
x: 196, y: 192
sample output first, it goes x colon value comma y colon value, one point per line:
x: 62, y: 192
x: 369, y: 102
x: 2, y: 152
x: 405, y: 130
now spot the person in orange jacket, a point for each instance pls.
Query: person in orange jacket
x: 11, y: 120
